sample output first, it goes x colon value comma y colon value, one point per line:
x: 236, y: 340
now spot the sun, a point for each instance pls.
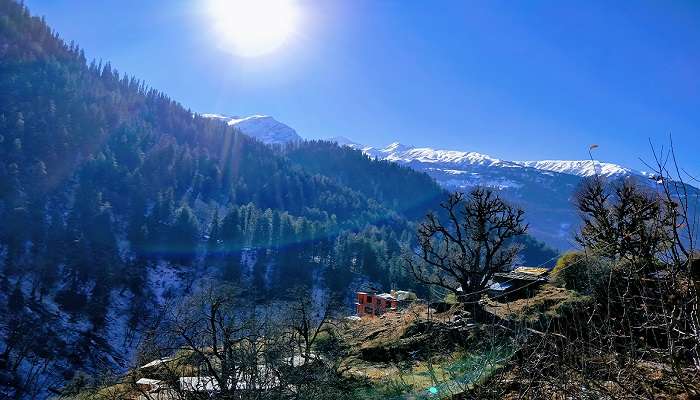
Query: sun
x: 252, y: 28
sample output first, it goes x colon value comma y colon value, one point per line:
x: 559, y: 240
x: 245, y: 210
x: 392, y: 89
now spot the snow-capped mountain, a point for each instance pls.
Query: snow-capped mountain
x: 262, y: 127
x: 544, y: 189
x: 398, y: 152
x: 583, y: 168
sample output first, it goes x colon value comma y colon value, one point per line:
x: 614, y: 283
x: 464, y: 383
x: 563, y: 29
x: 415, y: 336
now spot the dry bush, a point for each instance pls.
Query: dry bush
x: 637, y: 335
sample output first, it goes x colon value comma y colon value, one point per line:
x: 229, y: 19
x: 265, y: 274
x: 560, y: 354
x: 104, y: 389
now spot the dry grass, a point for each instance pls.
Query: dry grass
x: 387, y: 328
x: 544, y: 301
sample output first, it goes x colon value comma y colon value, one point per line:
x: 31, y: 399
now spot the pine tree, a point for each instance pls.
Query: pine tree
x: 15, y: 303
x: 184, y: 237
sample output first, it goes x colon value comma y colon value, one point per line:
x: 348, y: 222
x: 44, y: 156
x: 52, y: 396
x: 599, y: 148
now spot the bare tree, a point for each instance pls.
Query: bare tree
x: 683, y: 201
x: 638, y: 337
x: 316, y: 370
x: 215, y: 344
x: 462, y: 254
x: 624, y: 221
x: 309, y: 317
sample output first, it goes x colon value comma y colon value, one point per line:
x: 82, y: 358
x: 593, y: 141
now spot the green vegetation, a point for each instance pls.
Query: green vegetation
x: 621, y: 323
x: 443, y: 376
x: 104, y: 181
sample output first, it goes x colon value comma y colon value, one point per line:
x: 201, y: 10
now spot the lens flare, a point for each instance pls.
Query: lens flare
x: 252, y: 28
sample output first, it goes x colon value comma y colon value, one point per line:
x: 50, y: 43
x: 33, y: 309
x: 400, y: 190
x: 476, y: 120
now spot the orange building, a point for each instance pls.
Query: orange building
x: 375, y: 304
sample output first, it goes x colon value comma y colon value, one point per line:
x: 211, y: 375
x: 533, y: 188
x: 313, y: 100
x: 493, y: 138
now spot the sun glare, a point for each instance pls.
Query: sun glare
x: 252, y: 28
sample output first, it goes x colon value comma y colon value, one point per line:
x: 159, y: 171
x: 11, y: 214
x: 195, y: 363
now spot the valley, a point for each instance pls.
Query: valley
x: 545, y: 189
x: 151, y: 252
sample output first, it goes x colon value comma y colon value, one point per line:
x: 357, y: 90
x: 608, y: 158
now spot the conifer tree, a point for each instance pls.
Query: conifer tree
x: 184, y: 236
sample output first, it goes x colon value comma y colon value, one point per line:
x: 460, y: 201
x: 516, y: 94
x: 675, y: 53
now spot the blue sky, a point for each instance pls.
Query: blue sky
x: 515, y: 80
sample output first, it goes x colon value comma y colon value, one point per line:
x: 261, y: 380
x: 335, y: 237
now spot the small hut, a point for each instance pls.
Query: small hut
x: 519, y: 282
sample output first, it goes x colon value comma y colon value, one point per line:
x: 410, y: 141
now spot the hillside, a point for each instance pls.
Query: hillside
x: 174, y: 226
x: 391, y: 184
x: 116, y: 198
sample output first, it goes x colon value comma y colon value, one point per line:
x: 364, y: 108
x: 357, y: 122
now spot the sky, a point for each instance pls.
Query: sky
x: 516, y: 80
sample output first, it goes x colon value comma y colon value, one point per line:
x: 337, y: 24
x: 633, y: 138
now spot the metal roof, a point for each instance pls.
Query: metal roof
x: 148, y: 381
x: 157, y: 362
x: 537, y: 271
x: 517, y: 276
x: 500, y: 286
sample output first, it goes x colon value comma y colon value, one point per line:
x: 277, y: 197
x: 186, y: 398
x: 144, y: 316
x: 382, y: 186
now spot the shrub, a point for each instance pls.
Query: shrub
x: 450, y: 298
x: 580, y: 272
x: 570, y: 271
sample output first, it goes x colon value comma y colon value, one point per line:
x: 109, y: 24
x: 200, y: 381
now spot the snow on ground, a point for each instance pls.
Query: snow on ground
x: 463, y: 183
x: 319, y: 291
x: 164, y: 280
x: 248, y: 258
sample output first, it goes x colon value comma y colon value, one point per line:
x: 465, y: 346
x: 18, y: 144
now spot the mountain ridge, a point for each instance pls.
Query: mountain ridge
x: 399, y: 152
x: 262, y: 127
x: 544, y: 188
x: 271, y: 131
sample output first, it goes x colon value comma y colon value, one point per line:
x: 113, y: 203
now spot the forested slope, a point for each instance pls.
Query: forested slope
x: 108, y: 186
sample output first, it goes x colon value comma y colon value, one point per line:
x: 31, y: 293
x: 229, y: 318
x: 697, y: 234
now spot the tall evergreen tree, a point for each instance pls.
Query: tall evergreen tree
x: 184, y: 237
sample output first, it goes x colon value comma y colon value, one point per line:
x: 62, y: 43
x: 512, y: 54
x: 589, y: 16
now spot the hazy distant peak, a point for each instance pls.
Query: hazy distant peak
x: 396, y: 146
x: 215, y: 116
x: 399, y: 152
x: 405, y: 153
x: 343, y: 141
x: 262, y: 127
x: 269, y: 130
x: 583, y: 168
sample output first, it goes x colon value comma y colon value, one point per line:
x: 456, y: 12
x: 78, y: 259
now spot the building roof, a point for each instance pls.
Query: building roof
x: 537, y: 271
x: 523, y: 274
x: 500, y: 286
x: 157, y: 362
x: 403, y: 295
x: 517, y: 276
x: 148, y: 381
